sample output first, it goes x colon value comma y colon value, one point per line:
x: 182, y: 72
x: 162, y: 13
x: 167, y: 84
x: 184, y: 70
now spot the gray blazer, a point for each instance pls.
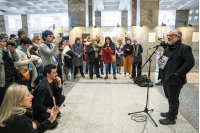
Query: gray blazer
x: 78, y: 51
x: 47, y: 54
x: 14, y: 56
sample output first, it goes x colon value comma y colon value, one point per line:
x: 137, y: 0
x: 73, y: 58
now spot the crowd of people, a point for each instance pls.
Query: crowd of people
x: 43, y: 62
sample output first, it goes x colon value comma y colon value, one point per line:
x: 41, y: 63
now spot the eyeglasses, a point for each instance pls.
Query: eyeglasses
x: 38, y: 39
x: 24, y: 33
x: 171, y: 35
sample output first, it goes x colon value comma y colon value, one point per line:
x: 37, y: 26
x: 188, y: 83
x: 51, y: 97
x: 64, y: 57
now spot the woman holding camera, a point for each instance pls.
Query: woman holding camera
x: 8, y: 56
x: 14, y: 114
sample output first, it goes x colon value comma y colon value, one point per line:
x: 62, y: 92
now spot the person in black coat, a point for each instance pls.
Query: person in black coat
x: 180, y: 62
x: 137, y: 51
x: 16, y: 115
x: 43, y: 99
x: 93, y: 52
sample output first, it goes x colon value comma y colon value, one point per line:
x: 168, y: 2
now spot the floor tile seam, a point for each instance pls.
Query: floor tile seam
x: 183, y: 114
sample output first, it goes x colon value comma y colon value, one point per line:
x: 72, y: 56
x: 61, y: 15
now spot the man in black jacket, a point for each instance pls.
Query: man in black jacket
x: 93, y: 52
x: 180, y: 62
x: 43, y: 101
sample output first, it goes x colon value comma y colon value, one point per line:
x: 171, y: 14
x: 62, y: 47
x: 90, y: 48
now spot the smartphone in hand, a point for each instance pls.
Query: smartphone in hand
x: 54, y: 103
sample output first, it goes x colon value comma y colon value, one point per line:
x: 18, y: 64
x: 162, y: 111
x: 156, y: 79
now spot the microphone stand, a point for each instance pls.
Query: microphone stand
x: 146, y: 110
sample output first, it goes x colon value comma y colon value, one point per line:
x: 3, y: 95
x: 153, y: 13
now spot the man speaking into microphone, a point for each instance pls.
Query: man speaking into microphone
x: 176, y: 61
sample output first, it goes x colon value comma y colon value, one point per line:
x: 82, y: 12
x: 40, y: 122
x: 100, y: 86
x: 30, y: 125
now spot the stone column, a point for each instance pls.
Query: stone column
x: 90, y: 13
x: 4, y: 24
x: 181, y: 18
x: 124, y: 19
x: 26, y: 24
x: 98, y: 18
x: 134, y: 12
x: 76, y: 13
x: 149, y: 10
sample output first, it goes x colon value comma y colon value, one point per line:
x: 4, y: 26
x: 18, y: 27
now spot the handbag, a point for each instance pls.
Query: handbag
x: 114, y: 58
x: 25, y: 73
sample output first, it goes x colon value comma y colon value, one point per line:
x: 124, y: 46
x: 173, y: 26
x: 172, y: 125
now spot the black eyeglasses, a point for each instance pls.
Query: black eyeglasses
x: 171, y: 35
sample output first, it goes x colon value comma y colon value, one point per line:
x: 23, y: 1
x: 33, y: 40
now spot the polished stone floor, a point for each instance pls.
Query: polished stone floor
x: 102, y: 106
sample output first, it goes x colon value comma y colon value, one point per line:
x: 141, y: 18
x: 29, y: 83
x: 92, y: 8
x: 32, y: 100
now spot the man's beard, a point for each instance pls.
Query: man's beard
x: 173, y: 40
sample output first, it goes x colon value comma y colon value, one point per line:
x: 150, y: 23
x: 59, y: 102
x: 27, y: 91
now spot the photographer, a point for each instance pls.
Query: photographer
x: 48, y: 50
x: 8, y: 56
x: 178, y: 61
x: 4, y: 36
x: 43, y: 100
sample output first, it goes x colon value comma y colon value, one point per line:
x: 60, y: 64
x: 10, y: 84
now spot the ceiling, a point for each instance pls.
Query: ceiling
x: 178, y: 4
x: 14, y: 7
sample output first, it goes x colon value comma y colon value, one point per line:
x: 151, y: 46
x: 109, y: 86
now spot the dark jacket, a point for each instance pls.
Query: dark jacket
x: 90, y: 53
x: 23, y: 124
x: 68, y: 61
x: 33, y: 49
x: 112, y: 45
x: 42, y: 98
x: 181, y: 61
x: 128, y: 52
x: 140, y: 50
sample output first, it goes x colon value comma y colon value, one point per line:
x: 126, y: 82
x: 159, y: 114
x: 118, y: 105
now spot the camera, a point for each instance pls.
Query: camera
x: 10, y: 43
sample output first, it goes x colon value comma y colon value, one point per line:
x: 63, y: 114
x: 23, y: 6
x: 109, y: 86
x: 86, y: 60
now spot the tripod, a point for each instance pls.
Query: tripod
x: 146, y: 110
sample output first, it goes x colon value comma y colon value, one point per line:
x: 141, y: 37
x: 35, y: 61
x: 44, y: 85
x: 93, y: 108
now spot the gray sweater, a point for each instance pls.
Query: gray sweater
x: 14, y: 56
x: 48, y: 54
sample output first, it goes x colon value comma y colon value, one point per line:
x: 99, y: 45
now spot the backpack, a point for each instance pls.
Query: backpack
x: 140, y: 79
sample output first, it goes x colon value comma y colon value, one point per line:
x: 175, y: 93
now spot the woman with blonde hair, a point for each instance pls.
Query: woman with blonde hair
x: 119, y: 53
x: 14, y: 114
x: 35, y: 44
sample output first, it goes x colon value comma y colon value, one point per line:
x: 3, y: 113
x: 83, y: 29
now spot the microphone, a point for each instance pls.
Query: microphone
x: 161, y: 44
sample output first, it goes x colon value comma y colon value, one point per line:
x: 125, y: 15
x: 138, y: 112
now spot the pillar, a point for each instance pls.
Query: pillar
x: 26, y: 23
x: 98, y: 18
x: 4, y: 24
x: 124, y: 19
x: 181, y: 18
x: 76, y: 12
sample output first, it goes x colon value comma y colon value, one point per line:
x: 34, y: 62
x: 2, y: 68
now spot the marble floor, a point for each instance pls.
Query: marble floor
x: 102, y: 106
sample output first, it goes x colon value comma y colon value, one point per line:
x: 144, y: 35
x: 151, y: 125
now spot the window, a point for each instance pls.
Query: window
x: 196, y: 17
x: 191, y: 12
x: 111, y: 19
x: 11, y: 23
x: 65, y: 21
x: 47, y: 22
x: 196, y: 11
x: 32, y: 23
x: 190, y: 17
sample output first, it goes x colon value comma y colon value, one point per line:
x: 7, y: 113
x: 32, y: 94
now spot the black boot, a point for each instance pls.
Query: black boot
x: 167, y: 121
x: 165, y: 115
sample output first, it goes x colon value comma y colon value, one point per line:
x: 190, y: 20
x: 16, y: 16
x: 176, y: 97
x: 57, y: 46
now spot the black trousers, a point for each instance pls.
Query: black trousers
x: 172, y: 94
x: 80, y: 68
x: 41, y: 117
x: 101, y: 63
x: 134, y: 70
x: 91, y: 66
x: 4, y: 89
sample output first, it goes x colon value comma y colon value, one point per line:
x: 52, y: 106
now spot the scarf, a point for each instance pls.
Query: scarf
x: 135, y: 52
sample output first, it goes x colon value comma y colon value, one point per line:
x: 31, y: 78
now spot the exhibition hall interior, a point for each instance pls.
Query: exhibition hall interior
x: 99, y: 66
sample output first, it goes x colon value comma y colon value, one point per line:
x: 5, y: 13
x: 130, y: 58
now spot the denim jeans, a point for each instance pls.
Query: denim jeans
x: 87, y: 66
x: 113, y: 66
